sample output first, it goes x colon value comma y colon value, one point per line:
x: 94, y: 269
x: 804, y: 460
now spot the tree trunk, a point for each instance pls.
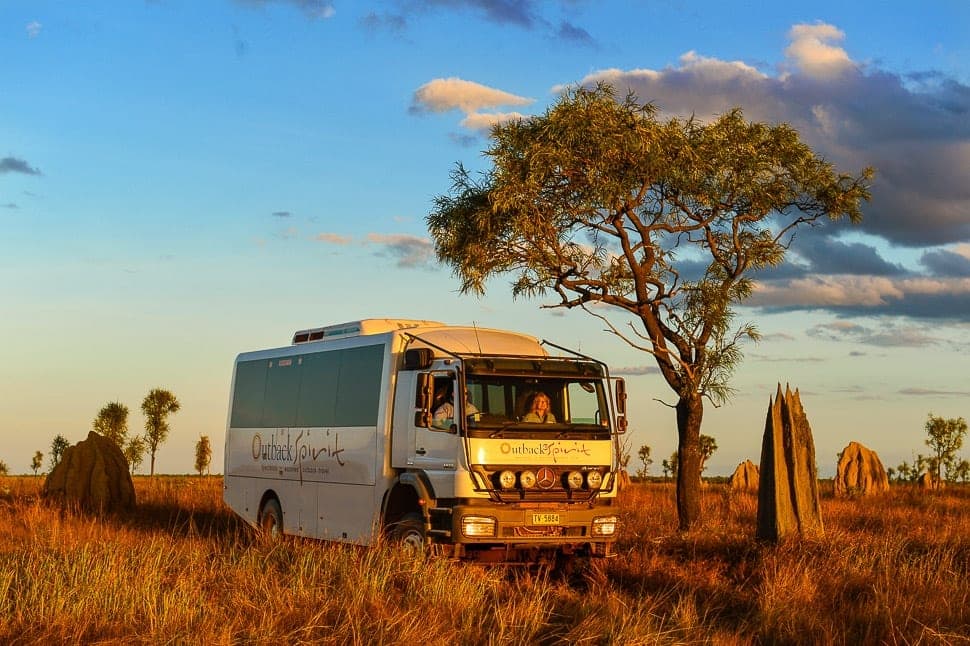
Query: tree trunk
x: 152, y: 472
x: 690, y: 412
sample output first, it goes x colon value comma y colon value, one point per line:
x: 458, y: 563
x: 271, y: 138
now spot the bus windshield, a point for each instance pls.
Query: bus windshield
x: 536, y: 404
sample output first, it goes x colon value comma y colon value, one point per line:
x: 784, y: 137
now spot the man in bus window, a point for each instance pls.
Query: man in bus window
x: 445, y: 413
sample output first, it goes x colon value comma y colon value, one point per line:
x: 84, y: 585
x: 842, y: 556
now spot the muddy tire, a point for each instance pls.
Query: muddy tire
x: 271, y: 520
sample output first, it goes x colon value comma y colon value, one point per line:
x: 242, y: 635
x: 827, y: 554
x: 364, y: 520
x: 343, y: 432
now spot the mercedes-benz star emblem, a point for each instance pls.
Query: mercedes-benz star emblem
x: 545, y: 478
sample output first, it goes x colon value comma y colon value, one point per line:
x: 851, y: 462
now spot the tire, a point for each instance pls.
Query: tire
x: 409, y: 534
x: 271, y: 520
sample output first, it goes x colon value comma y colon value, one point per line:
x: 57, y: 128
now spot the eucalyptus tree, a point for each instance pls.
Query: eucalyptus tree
x: 112, y: 422
x: 157, y: 406
x: 600, y: 202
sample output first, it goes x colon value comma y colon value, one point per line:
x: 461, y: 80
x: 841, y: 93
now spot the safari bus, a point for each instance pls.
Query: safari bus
x: 472, y: 443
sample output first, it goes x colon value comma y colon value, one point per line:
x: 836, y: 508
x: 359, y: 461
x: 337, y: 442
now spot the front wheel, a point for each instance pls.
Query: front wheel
x: 409, y: 534
x: 271, y: 520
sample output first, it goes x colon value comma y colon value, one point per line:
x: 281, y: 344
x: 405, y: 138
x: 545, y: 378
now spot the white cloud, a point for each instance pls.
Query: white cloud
x: 483, y: 121
x: 33, y: 29
x: 442, y: 95
x: 332, y: 238
x: 812, y: 53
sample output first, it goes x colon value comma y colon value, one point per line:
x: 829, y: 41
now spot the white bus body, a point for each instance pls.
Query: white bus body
x: 334, y: 437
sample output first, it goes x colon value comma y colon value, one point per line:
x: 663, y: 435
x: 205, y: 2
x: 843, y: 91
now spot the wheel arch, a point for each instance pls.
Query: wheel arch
x: 410, y: 493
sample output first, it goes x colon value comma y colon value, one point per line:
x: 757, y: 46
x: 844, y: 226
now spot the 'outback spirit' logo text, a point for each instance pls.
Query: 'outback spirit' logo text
x: 554, y: 450
x: 281, y: 446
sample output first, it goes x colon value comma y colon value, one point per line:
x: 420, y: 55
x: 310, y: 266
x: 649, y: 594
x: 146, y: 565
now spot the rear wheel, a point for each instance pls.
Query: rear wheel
x: 271, y: 519
x: 409, y: 534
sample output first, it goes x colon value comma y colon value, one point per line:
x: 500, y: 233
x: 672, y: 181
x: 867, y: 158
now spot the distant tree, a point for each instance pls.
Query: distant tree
x: 962, y: 471
x: 112, y: 423
x: 600, y: 202
x: 671, y: 465
x: 135, y: 452
x: 37, y: 462
x: 945, y: 437
x: 4, y: 469
x: 157, y: 406
x: 203, y: 455
x: 708, y: 446
x: 644, y: 454
x: 58, y: 445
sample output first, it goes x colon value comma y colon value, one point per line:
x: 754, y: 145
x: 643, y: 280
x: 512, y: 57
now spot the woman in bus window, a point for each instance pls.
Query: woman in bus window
x: 539, y: 411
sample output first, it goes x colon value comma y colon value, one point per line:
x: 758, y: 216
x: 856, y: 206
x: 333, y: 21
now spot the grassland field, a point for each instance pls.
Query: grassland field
x: 181, y: 569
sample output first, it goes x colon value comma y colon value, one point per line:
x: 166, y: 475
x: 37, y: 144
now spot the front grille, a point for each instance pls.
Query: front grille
x: 541, y: 531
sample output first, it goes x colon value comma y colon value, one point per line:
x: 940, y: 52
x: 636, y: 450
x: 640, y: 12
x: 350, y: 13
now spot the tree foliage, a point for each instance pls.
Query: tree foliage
x: 945, y: 438
x: 157, y: 406
x: 4, y: 469
x: 203, y: 455
x: 37, y: 461
x: 58, y: 445
x: 645, y: 460
x: 600, y: 202
x: 112, y: 423
x: 135, y: 452
x: 708, y: 446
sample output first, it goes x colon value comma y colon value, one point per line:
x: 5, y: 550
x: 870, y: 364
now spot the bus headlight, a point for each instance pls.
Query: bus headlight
x: 527, y: 479
x: 605, y: 525
x: 594, y: 479
x: 574, y: 479
x: 477, y: 526
x: 506, y: 479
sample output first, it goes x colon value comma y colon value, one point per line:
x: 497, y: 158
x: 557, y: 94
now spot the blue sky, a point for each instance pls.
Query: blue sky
x: 182, y: 181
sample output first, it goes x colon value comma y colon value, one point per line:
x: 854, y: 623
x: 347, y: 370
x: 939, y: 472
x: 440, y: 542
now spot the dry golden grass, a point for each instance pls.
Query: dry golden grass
x: 182, y: 569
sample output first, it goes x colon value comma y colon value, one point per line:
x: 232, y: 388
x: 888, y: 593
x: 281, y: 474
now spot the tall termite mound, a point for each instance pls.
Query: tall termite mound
x: 788, y: 499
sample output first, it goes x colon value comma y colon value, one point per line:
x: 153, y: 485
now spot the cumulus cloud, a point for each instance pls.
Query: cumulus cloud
x: 33, y: 29
x: 15, y: 165
x: 812, y: 52
x: 444, y: 94
x: 946, y: 262
x: 483, y: 121
x: 913, y: 129
x: 410, y: 251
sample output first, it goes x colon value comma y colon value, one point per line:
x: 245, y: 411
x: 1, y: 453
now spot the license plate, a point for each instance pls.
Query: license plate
x: 545, y: 519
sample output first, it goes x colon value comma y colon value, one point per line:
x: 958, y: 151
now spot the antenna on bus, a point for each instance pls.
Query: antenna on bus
x: 477, y: 340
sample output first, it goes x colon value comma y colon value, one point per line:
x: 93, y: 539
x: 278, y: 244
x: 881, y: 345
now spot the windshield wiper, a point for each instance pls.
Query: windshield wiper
x: 499, y: 431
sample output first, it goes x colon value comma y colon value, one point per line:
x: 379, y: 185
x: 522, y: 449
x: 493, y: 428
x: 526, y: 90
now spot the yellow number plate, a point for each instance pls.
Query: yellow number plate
x: 545, y: 519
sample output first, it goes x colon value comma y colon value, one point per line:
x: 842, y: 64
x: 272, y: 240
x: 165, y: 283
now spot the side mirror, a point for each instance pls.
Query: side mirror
x: 621, y: 422
x: 418, y: 358
x: 423, y: 396
x: 620, y: 397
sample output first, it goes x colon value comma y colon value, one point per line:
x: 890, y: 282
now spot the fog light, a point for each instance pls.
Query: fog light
x: 605, y: 525
x: 574, y: 480
x: 527, y: 479
x: 477, y: 526
x: 594, y: 479
x: 506, y: 479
